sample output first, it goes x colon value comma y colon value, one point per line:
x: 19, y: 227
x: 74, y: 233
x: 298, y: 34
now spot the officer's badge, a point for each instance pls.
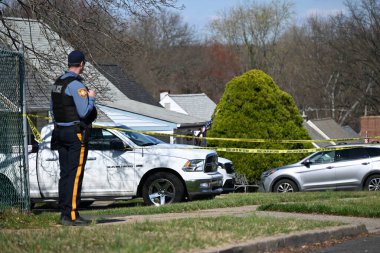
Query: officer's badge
x: 82, y: 92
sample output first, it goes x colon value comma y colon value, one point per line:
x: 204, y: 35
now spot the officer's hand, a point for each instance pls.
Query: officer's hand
x: 91, y: 93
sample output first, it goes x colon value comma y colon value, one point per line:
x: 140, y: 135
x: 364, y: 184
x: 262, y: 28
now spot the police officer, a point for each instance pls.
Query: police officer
x: 73, y: 111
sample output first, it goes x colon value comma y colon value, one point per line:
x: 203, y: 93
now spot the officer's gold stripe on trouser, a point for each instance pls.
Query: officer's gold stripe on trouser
x: 76, y: 182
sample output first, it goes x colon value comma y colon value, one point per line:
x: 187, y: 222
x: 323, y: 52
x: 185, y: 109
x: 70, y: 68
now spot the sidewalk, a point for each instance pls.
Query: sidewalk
x: 354, y: 227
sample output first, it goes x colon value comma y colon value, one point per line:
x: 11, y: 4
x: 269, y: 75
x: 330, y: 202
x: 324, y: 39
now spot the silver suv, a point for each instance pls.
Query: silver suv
x: 355, y: 168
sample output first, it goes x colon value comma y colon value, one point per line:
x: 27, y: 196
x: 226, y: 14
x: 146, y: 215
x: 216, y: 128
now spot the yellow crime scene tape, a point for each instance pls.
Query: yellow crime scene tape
x: 38, y: 138
x: 260, y: 151
x: 36, y: 133
x: 235, y: 139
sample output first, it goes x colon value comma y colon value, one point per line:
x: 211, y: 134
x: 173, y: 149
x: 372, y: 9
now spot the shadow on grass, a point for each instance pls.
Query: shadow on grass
x: 53, y: 206
x: 106, y: 220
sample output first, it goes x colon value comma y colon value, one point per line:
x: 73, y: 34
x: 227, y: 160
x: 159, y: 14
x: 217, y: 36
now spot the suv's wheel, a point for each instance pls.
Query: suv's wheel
x: 162, y: 188
x: 372, y: 183
x: 285, y: 185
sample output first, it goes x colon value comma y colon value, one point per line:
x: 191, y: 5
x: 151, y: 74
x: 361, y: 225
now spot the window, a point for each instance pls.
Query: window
x: 373, y: 152
x: 323, y: 157
x: 101, y: 139
x: 351, y: 154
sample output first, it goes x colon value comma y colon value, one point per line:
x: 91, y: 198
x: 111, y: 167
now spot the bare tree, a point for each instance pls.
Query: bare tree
x: 360, y: 40
x: 254, y: 29
x: 87, y: 24
x: 333, y: 71
x: 167, y: 57
x: 95, y: 27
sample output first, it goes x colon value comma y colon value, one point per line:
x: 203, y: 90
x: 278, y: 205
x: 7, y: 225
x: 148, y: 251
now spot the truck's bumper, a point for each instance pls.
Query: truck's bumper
x: 200, y: 187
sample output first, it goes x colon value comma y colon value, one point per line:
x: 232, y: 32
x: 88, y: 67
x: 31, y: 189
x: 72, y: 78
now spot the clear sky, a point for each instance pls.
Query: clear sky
x: 198, y: 13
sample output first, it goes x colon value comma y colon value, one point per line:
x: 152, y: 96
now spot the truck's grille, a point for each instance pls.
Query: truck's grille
x: 211, y: 163
x: 229, y: 168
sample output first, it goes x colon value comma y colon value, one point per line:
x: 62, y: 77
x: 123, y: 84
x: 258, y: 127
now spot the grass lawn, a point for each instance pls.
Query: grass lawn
x: 165, y: 236
x: 360, y: 207
x: 360, y: 203
x: 38, y: 231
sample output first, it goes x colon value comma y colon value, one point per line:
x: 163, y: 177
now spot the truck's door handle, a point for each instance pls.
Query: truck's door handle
x: 51, y: 159
x: 91, y: 158
x: 329, y: 167
x: 365, y: 163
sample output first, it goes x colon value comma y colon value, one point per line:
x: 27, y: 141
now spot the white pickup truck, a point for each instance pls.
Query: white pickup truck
x: 124, y: 164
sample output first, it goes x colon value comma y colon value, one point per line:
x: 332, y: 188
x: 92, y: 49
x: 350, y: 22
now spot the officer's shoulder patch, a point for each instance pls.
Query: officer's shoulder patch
x: 82, y: 92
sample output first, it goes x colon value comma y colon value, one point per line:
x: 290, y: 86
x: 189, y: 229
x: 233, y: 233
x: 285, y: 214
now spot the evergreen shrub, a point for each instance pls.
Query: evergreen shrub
x: 254, y: 107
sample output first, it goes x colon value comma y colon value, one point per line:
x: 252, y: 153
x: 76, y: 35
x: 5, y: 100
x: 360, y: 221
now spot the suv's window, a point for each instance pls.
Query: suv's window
x: 323, y: 157
x: 373, y: 152
x: 101, y: 139
x: 351, y: 154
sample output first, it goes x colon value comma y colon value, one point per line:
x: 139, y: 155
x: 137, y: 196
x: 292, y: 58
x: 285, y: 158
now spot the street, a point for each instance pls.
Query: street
x: 368, y: 244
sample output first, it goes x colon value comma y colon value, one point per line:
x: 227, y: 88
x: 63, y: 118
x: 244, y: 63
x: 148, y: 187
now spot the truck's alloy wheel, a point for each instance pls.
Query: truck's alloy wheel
x: 162, y: 188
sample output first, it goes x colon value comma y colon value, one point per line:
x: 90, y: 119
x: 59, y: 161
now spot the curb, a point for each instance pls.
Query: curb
x: 292, y: 240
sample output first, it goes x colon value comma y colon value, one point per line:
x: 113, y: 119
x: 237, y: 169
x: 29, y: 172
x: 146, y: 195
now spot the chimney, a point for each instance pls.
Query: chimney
x: 163, y: 93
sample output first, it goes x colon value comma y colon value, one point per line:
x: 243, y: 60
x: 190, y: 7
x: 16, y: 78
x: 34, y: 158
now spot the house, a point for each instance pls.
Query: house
x: 324, y: 129
x: 46, y: 56
x: 197, y: 105
x: 370, y: 127
x: 116, y: 75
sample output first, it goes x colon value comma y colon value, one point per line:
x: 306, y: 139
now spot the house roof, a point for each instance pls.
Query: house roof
x: 197, y: 105
x: 320, y: 129
x: 47, y: 52
x: 125, y: 84
x: 333, y: 129
x: 51, y: 61
x: 37, y: 90
x: 155, y: 112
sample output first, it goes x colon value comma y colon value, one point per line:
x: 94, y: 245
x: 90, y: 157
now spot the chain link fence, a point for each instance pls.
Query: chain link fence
x: 14, y: 188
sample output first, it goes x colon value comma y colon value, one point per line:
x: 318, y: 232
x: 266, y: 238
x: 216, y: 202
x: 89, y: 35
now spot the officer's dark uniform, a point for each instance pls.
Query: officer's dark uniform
x: 73, y: 111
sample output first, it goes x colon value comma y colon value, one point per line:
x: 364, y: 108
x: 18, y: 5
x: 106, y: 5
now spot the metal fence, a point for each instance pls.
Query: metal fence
x: 14, y: 187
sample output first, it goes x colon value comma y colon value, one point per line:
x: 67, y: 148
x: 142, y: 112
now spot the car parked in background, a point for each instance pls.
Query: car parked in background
x: 355, y: 167
x: 226, y: 168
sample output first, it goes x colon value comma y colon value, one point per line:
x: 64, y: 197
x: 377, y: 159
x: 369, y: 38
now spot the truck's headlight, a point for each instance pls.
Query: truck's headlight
x: 193, y: 165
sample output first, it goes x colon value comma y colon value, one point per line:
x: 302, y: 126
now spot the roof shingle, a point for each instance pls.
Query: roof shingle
x: 196, y: 105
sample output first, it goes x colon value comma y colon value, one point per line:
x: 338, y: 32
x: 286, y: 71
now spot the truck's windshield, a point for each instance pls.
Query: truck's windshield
x: 140, y: 139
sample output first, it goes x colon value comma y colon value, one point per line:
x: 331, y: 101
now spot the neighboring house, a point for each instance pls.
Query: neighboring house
x: 370, y: 127
x: 37, y: 38
x: 197, y: 105
x: 324, y: 129
x: 116, y: 75
x: 145, y: 117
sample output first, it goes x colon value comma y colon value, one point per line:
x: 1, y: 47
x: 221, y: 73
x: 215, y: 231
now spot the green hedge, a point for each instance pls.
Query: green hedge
x: 253, y: 106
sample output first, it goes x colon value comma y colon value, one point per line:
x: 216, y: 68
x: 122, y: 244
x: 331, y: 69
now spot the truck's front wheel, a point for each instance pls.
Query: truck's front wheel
x: 162, y: 188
